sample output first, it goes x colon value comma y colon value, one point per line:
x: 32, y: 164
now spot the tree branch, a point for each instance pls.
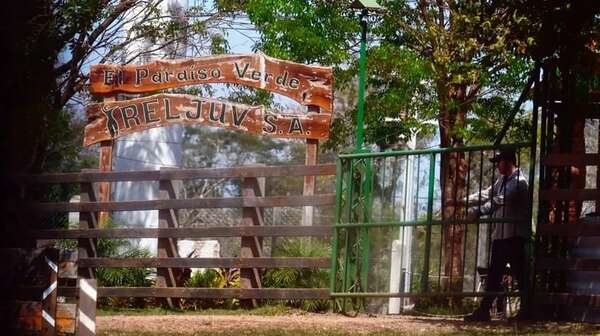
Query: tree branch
x: 83, y: 46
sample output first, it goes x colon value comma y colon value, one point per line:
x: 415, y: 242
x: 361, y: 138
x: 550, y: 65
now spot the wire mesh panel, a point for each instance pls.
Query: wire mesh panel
x: 405, y: 226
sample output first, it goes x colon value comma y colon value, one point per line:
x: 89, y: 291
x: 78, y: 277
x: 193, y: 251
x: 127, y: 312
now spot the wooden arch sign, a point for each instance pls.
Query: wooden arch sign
x: 308, y: 85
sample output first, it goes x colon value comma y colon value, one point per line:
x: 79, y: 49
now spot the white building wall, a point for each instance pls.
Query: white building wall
x: 150, y: 149
x: 147, y: 150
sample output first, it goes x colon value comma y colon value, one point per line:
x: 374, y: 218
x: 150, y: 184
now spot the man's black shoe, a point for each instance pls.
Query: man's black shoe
x: 478, y: 316
x: 521, y: 316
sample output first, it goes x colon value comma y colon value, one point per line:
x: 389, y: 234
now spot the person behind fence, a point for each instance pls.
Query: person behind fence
x: 506, y: 199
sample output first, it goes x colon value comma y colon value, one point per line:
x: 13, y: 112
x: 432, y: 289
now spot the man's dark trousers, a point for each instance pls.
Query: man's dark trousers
x: 512, y: 251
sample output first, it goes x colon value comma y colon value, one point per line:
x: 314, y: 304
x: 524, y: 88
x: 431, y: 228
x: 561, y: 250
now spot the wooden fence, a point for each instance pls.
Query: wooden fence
x: 30, y: 305
x: 251, y: 230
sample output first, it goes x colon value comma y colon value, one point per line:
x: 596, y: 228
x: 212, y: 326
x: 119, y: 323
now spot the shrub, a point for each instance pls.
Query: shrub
x: 300, y: 278
x: 122, y: 277
x: 212, y: 278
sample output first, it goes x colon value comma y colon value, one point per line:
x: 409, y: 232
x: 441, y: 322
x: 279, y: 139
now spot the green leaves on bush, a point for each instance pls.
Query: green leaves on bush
x: 212, y: 278
x: 300, y: 278
x: 122, y: 277
x: 215, y: 278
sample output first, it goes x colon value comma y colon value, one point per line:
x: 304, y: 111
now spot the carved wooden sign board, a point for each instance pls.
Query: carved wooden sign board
x: 308, y: 85
x: 112, y: 120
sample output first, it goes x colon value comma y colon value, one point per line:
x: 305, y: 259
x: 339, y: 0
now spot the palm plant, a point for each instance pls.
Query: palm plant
x: 213, y: 278
x: 122, y: 277
x: 300, y: 278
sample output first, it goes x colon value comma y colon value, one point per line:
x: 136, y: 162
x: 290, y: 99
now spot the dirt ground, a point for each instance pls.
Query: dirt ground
x: 333, y: 322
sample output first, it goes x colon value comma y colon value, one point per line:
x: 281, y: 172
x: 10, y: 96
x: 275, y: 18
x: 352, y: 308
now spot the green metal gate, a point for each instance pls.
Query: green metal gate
x: 395, y: 196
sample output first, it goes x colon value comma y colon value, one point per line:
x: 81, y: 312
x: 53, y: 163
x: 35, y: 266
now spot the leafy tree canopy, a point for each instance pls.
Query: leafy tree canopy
x: 456, y: 62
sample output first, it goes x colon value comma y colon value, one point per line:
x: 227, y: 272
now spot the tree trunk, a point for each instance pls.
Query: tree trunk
x: 453, y: 186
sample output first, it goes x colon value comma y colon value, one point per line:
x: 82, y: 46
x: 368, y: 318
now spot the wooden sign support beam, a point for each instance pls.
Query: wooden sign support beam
x: 251, y: 247
x: 311, y: 156
x: 105, y: 163
x: 106, y: 148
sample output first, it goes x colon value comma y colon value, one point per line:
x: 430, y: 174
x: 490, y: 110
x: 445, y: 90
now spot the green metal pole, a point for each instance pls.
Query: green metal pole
x: 430, y: 190
x: 338, y: 218
x: 367, y: 190
x: 362, y: 74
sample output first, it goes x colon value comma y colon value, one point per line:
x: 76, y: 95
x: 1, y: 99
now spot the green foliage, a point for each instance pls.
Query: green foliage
x: 439, y: 305
x: 215, y: 278
x: 241, y: 148
x: 219, y: 44
x: 405, y: 97
x: 204, y: 279
x: 118, y: 277
x: 489, y: 115
x: 212, y: 278
x: 300, y: 278
x: 62, y: 153
x: 304, y: 31
x: 52, y: 45
x: 122, y: 277
x: 250, y: 96
x: 426, y: 60
x: 471, y: 51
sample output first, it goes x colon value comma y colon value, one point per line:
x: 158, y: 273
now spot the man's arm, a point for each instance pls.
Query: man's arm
x: 513, y: 194
x: 472, y: 199
x: 479, y: 197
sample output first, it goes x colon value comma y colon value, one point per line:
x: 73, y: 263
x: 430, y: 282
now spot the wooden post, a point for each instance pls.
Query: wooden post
x: 86, y: 248
x: 311, y: 155
x: 105, y: 162
x: 598, y: 170
x: 86, y: 312
x: 24, y: 220
x: 49, y: 294
x: 167, y: 247
x: 251, y: 246
x: 106, y: 148
x: 87, y: 220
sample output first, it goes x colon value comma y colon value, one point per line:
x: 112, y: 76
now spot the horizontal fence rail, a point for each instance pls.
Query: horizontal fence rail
x: 259, y: 262
x: 294, y: 293
x: 185, y: 292
x: 222, y: 202
x: 202, y: 232
x: 178, y: 174
x: 217, y: 293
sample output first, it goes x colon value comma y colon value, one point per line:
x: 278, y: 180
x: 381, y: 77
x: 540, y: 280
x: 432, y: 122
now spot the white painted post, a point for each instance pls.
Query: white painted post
x: 49, y: 294
x: 395, y: 274
x: 86, y: 310
x: 401, y: 258
x: 406, y: 233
